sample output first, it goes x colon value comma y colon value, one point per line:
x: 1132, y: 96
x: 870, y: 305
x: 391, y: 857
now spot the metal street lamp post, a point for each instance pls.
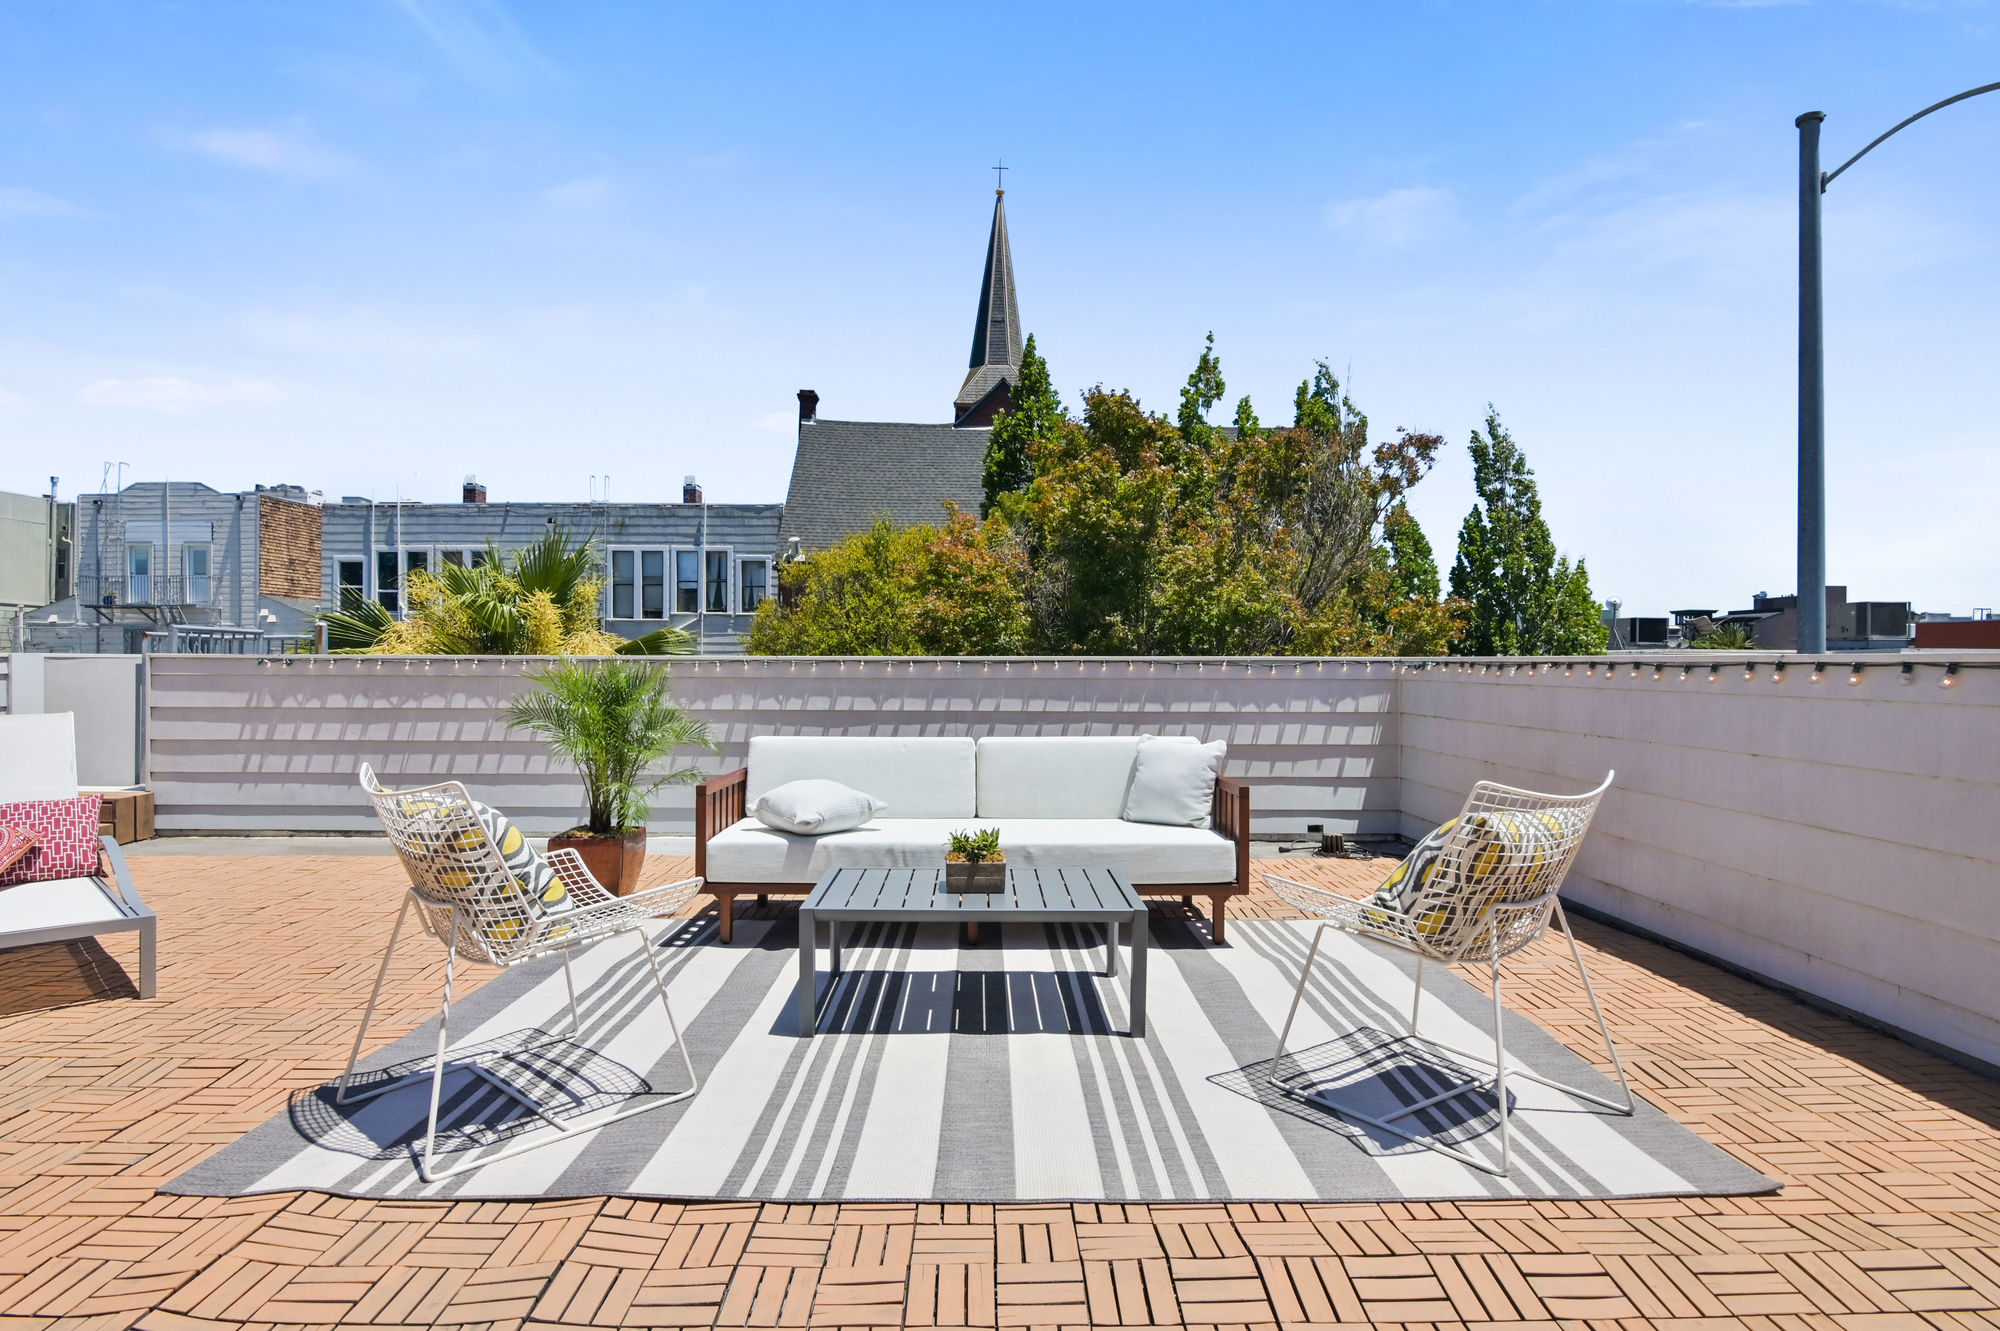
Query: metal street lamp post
x: 1812, y: 369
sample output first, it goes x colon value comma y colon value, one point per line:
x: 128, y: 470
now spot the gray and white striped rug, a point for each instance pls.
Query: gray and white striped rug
x: 987, y: 1074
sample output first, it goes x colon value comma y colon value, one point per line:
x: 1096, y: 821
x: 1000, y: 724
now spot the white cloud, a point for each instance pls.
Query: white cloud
x: 1399, y: 218
x: 285, y: 151
x: 176, y: 396
x: 16, y: 201
x: 479, y: 39
x: 578, y: 196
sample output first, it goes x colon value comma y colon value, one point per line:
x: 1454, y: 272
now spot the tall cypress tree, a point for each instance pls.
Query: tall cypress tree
x: 1034, y: 416
x: 1525, y: 601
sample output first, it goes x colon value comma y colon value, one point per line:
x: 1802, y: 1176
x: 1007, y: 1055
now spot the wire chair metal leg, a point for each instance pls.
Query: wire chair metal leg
x: 374, y: 997
x: 673, y: 1025
x: 1417, y: 1001
x: 1596, y: 1010
x: 437, y: 1063
x: 1500, y: 1065
x: 1305, y: 974
x: 569, y: 982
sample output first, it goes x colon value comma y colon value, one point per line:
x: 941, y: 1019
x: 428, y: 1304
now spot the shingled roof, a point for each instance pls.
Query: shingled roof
x: 846, y: 473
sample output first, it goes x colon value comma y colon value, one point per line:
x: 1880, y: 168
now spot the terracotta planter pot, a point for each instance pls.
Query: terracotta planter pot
x: 614, y: 861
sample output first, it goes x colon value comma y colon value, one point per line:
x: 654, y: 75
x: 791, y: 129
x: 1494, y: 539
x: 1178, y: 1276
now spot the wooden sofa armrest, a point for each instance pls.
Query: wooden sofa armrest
x: 718, y: 803
x: 1230, y: 814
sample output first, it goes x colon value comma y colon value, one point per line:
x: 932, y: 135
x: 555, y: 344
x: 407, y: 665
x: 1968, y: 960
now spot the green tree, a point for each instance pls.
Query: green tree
x: 1204, y: 389
x: 1411, y: 564
x: 1035, y: 415
x: 1524, y: 600
x: 922, y: 590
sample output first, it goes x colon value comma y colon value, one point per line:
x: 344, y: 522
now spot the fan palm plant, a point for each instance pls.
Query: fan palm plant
x: 540, y: 600
x: 612, y: 721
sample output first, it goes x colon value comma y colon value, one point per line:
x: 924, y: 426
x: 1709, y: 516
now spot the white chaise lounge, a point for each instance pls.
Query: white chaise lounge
x: 38, y: 762
x: 1057, y: 800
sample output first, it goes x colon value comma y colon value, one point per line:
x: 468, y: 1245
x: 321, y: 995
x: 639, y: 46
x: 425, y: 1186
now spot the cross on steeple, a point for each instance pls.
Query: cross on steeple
x: 1000, y: 180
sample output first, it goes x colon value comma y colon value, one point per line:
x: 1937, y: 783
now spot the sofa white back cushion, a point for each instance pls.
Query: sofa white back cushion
x: 1058, y: 776
x: 37, y: 757
x: 1174, y: 783
x: 915, y: 777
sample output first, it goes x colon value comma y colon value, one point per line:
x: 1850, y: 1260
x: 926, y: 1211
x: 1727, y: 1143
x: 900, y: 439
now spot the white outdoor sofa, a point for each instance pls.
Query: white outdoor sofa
x: 1057, y: 801
x: 38, y: 762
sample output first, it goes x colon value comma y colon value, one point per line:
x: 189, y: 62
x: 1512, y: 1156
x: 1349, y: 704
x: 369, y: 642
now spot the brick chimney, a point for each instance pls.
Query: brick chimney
x: 808, y: 404
x: 690, y: 492
x: 474, y: 492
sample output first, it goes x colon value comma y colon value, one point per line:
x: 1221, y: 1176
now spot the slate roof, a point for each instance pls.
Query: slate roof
x: 847, y: 472
x: 996, y: 331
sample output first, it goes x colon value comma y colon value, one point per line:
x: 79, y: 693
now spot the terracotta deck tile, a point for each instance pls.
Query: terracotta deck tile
x: 1890, y: 1222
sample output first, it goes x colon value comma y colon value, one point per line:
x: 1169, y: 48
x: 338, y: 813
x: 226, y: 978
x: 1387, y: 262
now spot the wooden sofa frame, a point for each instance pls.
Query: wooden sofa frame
x: 719, y: 804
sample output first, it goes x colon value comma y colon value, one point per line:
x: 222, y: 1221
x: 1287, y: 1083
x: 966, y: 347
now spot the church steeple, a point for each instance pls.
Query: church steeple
x: 996, y: 334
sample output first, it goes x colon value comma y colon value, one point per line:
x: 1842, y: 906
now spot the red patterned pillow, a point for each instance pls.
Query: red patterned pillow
x: 14, y: 843
x: 65, y: 834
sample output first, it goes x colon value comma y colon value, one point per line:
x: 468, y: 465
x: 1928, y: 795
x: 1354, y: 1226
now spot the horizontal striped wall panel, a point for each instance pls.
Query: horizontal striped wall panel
x: 1839, y: 839
x: 243, y: 745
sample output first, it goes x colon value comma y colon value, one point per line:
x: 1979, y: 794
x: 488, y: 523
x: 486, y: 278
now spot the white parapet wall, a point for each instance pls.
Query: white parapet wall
x: 242, y: 744
x: 1843, y: 839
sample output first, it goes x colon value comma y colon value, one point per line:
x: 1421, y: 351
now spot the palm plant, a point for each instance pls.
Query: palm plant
x: 612, y: 720
x: 1726, y: 638
x: 540, y: 600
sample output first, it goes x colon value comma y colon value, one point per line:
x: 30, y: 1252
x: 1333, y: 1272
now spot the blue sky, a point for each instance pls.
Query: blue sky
x: 373, y: 246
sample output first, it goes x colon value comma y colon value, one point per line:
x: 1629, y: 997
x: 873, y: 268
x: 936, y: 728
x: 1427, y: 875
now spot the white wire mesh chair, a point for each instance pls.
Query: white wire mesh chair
x: 468, y: 899
x: 1492, y: 893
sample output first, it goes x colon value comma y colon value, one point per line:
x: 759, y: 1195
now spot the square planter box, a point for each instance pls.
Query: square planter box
x: 987, y: 877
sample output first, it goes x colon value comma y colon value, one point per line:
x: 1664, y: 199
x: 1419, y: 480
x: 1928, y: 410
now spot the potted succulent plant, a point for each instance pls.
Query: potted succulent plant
x: 974, y: 862
x: 612, y: 720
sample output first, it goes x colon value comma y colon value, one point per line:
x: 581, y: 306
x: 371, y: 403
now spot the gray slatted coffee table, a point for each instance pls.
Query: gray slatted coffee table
x: 1033, y: 896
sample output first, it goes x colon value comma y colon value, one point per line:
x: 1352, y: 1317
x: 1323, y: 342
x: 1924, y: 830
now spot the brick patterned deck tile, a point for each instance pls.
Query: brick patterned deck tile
x: 1892, y: 1221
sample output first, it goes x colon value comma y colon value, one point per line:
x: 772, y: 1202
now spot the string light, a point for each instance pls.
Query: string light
x: 1909, y: 672
x: 1819, y: 668
x: 1778, y: 673
x: 1950, y: 676
x: 1749, y: 670
x: 1714, y: 673
x: 1854, y: 673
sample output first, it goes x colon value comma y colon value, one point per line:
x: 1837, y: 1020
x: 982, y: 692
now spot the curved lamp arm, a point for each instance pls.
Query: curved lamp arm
x: 1828, y: 177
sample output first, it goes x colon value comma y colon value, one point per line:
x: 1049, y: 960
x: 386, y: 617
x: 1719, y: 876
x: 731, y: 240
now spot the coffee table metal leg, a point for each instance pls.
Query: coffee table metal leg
x: 832, y: 946
x: 1141, y: 927
x: 1110, y: 948
x: 808, y: 981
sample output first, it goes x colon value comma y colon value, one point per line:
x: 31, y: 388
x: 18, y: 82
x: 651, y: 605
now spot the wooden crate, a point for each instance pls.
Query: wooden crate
x: 127, y: 815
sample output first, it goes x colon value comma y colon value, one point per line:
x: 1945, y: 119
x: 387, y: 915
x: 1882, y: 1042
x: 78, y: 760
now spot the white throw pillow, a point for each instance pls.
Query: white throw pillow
x: 814, y: 808
x: 1173, y: 782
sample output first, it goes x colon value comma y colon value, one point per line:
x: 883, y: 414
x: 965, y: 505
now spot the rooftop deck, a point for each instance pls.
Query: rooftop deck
x: 1890, y: 1217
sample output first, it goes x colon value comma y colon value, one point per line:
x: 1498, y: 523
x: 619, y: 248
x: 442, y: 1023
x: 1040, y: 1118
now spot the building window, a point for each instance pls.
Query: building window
x: 718, y: 582
x: 138, y: 575
x: 621, y: 583
x: 687, y: 582
x: 753, y: 583
x: 199, y: 585
x: 653, y: 584
x: 349, y: 575
x: 416, y: 561
x: 386, y: 580
x: 462, y: 558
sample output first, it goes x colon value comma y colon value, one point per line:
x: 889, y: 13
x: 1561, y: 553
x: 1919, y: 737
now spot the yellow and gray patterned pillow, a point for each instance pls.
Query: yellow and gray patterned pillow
x: 1503, y: 851
x: 527, y: 902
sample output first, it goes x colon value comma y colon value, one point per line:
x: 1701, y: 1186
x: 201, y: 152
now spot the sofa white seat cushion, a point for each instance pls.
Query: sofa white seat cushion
x: 750, y: 852
x: 912, y: 776
x: 56, y: 901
